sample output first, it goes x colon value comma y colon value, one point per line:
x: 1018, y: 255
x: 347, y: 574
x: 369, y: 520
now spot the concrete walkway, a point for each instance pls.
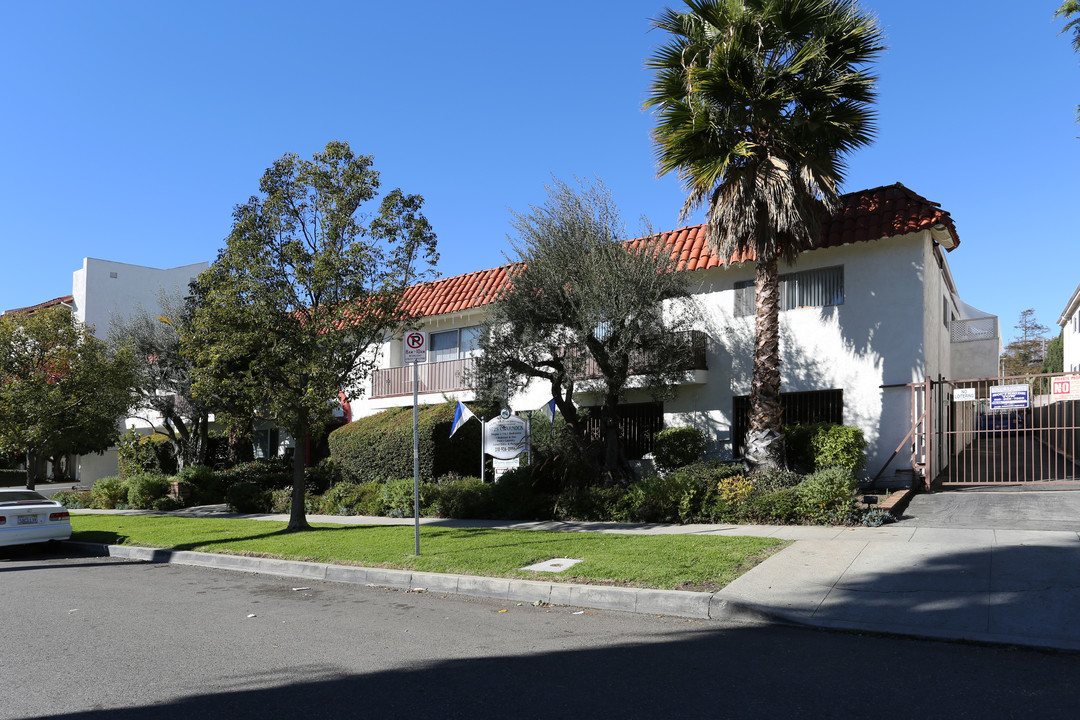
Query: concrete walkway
x: 940, y: 572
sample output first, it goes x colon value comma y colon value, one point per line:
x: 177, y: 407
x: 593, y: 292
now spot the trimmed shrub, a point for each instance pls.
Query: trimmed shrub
x: 827, y: 496
x: 770, y: 480
x: 109, y: 493
x: 347, y: 498
x: 587, y: 503
x: 12, y: 478
x: 166, y: 504
x: 463, y: 498
x: 678, y: 447
x: 778, y: 507
x: 269, y: 474
x: 150, y: 454
x: 74, y: 499
x: 248, y: 497
x: 145, y: 488
x: 823, y: 445
x: 322, y: 477
x: 379, y: 447
x: 207, y: 487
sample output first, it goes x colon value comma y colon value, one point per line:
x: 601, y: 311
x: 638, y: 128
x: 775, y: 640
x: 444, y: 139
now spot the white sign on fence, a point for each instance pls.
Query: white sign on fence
x: 1065, y: 388
x: 963, y: 395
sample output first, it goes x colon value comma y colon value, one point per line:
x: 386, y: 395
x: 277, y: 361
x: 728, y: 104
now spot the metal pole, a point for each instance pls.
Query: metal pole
x: 483, y: 439
x: 528, y: 420
x: 416, y: 451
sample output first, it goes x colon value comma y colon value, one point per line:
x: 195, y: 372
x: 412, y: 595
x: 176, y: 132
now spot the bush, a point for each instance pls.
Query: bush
x: 770, y: 480
x: 515, y: 497
x: 587, y: 503
x: 463, y: 498
x: 779, y: 507
x: 827, y: 496
x: 678, y: 447
x: 281, y: 502
x: 150, y: 454
x: 109, y: 493
x: 74, y: 499
x: 248, y: 497
x: 379, y: 447
x: 166, y: 504
x: 271, y: 474
x: 876, y: 517
x: 145, y: 488
x: 396, y: 498
x: 12, y: 478
x: 207, y: 487
x: 346, y: 498
x: 322, y: 477
x: 824, y: 445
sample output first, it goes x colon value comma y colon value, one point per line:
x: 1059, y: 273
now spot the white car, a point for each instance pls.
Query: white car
x: 30, y: 517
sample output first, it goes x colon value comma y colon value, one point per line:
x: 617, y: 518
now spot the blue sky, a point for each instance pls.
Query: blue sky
x: 131, y: 129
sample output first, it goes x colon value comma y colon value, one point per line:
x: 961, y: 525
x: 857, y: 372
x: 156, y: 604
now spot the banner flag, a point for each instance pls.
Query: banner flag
x: 461, y: 416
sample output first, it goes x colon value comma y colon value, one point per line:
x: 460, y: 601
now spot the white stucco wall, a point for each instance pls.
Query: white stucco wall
x: 104, y: 289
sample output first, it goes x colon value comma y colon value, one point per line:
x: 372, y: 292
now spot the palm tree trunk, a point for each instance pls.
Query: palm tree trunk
x: 764, y: 441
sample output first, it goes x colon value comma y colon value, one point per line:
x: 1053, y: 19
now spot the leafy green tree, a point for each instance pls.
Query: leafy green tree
x: 165, y: 377
x: 586, y: 309
x: 62, y: 390
x: 758, y: 102
x: 305, y: 286
x: 1025, y: 355
x: 1055, y: 355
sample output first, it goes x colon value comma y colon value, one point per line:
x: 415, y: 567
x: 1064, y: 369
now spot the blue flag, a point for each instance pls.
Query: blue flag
x: 461, y: 416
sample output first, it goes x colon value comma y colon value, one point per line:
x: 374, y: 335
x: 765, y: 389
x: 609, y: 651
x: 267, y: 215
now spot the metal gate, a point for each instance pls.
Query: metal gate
x: 1020, y: 429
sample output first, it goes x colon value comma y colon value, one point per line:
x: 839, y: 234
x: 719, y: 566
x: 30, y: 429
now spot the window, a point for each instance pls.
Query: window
x: 809, y: 288
x: 454, y: 344
x: 797, y: 408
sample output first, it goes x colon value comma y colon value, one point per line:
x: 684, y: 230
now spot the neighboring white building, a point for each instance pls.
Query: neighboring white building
x: 873, y: 308
x: 1070, y: 332
x: 103, y: 291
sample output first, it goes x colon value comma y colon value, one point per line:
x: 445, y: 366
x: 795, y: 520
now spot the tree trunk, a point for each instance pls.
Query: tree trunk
x: 616, y: 467
x: 765, y: 440
x: 297, y: 516
x: 31, y: 469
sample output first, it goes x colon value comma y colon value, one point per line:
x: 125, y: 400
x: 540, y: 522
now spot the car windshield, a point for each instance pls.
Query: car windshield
x: 19, y: 497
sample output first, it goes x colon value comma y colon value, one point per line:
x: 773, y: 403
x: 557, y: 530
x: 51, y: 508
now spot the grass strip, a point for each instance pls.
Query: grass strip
x: 683, y: 562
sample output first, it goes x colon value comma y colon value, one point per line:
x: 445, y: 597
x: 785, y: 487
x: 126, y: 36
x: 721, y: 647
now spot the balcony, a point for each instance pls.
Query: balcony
x: 436, y: 377
x: 451, y: 375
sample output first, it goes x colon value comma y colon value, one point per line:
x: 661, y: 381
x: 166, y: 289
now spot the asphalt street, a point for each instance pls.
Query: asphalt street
x: 104, y: 638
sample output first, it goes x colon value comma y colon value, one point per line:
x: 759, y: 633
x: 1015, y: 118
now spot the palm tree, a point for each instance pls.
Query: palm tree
x: 1070, y: 11
x: 757, y: 103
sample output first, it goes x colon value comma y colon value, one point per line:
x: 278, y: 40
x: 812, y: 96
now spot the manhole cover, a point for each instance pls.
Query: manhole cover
x: 552, y: 565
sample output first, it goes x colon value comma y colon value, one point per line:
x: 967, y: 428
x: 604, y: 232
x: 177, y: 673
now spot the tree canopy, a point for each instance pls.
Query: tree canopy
x: 758, y: 103
x: 1026, y: 354
x: 165, y: 376
x: 585, y: 311
x: 287, y: 315
x: 62, y: 390
x: 1070, y: 12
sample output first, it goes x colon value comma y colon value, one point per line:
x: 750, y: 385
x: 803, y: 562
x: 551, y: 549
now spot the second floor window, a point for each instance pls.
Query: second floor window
x: 454, y: 344
x: 807, y: 288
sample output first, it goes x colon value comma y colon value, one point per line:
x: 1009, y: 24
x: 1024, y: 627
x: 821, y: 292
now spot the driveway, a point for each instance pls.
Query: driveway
x: 1016, y: 507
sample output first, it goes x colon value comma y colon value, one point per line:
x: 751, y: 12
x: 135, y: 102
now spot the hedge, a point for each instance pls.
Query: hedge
x: 380, y: 447
x: 12, y: 478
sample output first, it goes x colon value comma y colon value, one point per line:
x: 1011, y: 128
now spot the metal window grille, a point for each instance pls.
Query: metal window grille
x: 638, y: 423
x: 984, y: 328
x: 798, y: 408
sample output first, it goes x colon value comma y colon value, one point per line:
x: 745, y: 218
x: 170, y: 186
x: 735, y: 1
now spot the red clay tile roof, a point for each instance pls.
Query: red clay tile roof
x: 31, y: 309
x: 883, y: 212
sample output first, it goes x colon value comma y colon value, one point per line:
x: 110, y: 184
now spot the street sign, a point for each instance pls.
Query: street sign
x: 415, y: 346
x: 1066, y: 387
x: 963, y: 395
x: 1010, y: 397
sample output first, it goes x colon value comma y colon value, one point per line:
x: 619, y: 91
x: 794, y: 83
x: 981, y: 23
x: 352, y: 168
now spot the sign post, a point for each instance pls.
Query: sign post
x: 416, y: 352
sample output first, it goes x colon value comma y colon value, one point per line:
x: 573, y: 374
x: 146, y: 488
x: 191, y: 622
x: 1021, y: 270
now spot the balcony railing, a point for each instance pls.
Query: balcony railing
x: 446, y: 376
x: 451, y: 375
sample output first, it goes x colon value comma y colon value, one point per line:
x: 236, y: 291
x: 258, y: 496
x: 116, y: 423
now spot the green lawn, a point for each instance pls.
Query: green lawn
x: 686, y: 562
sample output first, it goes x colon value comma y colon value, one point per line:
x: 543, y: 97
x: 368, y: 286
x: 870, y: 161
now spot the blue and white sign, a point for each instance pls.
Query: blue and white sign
x: 1010, y: 397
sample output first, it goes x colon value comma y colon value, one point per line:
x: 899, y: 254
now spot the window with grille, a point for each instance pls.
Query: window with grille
x: 798, y: 408
x: 808, y: 288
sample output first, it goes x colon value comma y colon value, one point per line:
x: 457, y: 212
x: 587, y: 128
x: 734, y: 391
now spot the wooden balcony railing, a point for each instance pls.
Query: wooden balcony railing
x: 446, y: 376
x: 450, y: 375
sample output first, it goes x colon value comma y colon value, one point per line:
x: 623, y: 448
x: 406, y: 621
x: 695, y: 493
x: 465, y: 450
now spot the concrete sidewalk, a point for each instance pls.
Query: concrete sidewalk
x: 987, y: 584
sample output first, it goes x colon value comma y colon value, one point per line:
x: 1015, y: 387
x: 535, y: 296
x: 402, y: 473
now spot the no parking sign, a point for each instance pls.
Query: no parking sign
x: 415, y: 346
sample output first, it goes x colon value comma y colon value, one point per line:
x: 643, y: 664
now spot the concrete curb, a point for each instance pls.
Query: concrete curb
x: 679, y: 603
